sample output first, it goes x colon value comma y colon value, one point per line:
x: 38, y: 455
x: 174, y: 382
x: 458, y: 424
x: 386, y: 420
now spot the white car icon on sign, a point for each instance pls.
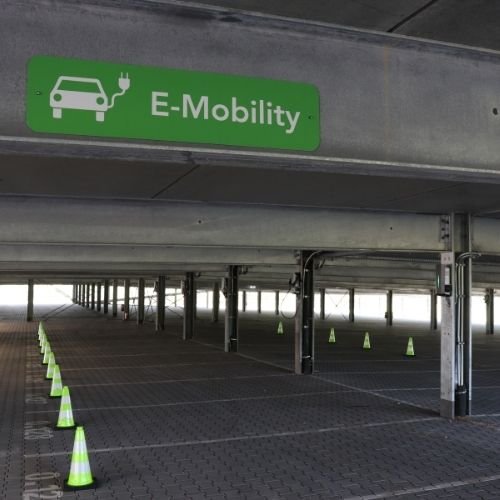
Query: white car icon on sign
x: 80, y: 93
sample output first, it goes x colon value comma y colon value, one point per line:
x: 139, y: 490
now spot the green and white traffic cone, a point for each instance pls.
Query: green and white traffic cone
x: 56, y: 387
x: 50, y: 366
x: 80, y: 476
x: 409, y: 349
x: 46, y: 353
x: 331, y: 338
x: 366, y: 343
x: 65, y: 419
x: 280, y: 328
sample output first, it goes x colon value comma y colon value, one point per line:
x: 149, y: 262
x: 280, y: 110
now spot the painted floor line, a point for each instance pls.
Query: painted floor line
x: 204, y: 401
x: 372, y: 393
x: 240, y: 438
x: 434, y: 487
x: 131, y: 367
x: 170, y: 381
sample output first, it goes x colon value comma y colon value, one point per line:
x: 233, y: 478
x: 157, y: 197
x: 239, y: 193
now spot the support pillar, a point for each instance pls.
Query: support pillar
x: 160, y: 304
x: 434, y: 323
x: 126, y: 299
x: 456, y: 332
x: 195, y: 304
x: 259, y: 301
x: 231, y: 321
x: 489, y: 299
x: 215, y: 302
x: 105, y: 303
x: 87, y: 295
x: 304, y: 319
x: 92, y: 296
x: 140, y: 301
x: 78, y: 294
x: 75, y: 293
x: 114, y: 307
x: 99, y: 296
x: 189, y: 291
x: 351, y: 305
x: 388, y: 312
x: 277, y: 303
x: 31, y: 294
x: 244, y: 301
x: 322, y: 293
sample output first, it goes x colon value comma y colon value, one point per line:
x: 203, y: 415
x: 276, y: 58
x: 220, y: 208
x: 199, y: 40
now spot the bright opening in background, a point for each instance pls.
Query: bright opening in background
x: 17, y: 295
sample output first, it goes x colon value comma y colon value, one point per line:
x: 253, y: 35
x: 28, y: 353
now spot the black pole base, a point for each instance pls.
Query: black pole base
x: 461, y: 401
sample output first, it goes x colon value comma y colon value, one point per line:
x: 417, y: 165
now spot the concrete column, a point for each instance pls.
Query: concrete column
x: 231, y: 320
x: 195, y: 303
x: 277, y: 303
x: 31, y: 293
x: 215, y: 302
x: 434, y: 323
x: 456, y: 332
x: 322, y: 293
x: 78, y: 294
x: 351, y: 305
x: 74, y: 297
x: 489, y: 298
x: 126, y: 299
x: 160, y: 304
x: 105, y: 302
x: 388, y: 312
x: 92, y: 296
x: 140, y: 301
x: 259, y: 301
x: 114, y: 306
x: 87, y: 295
x: 189, y: 290
x: 304, y: 319
x: 244, y: 301
x: 99, y: 297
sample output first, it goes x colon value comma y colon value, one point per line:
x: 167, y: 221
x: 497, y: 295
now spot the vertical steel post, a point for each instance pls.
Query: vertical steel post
x: 105, y: 302
x: 304, y: 319
x: 231, y: 320
x: 31, y: 294
x: 322, y: 293
x: 259, y: 301
x: 244, y: 301
x: 277, y: 303
x: 99, y: 297
x: 160, y: 304
x: 87, y: 295
x: 140, y: 302
x: 215, y: 302
x: 351, y: 305
x: 92, y: 296
x: 388, y: 312
x: 489, y: 299
x: 434, y: 323
x: 189, y: 306
x: 126, y: 299
x: 74, y: 297
x: 114, y: 306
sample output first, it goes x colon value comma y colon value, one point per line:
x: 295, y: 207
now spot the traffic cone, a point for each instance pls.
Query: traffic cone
x: 41, y: 330
x: 65, y: 419
x: 331, y: 338
x: 366, y: 343
x: 409, y: 348
x: 280, y: 328
x: 41, y: 341
x: 56, y: 387
x: 46, y: 353
x: 50, y: 366
x: 80, y: 476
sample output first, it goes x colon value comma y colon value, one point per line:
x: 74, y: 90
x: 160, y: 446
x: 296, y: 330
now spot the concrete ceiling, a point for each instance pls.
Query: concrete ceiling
x: 465, y: 22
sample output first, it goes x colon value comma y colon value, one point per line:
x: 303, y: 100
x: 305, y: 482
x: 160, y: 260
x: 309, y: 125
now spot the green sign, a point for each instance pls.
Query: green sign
x: 77, y: 97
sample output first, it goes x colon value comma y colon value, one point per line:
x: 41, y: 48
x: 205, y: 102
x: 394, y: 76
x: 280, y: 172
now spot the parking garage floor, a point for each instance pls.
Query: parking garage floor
x: 166, y: 418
